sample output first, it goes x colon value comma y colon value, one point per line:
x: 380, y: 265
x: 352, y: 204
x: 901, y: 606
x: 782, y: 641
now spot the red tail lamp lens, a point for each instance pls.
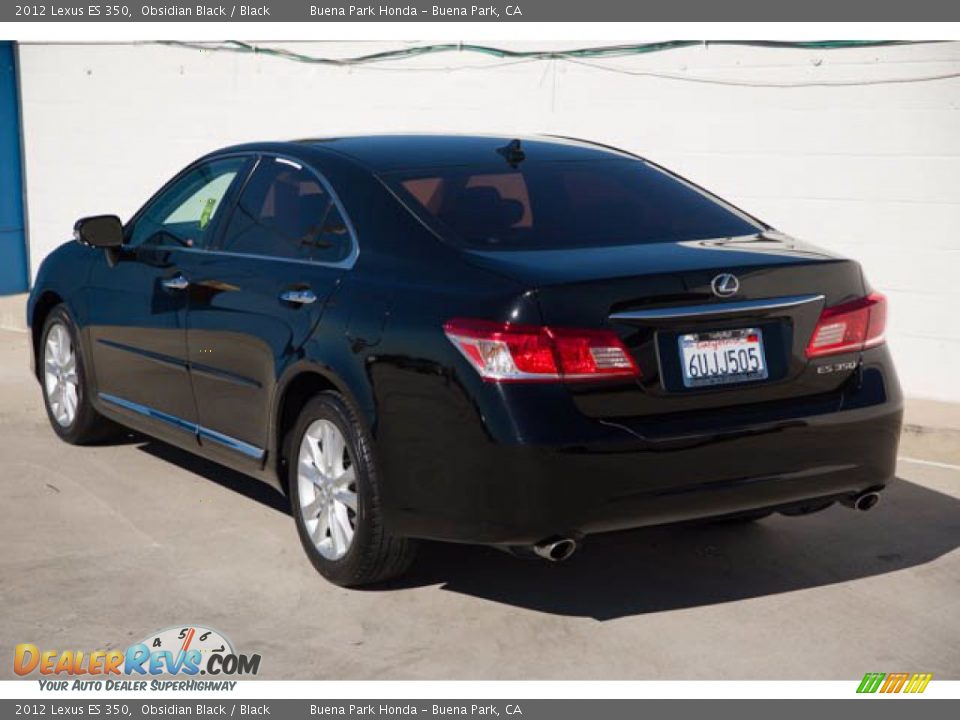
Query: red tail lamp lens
x: 504, y: 352
x: 850, y: 327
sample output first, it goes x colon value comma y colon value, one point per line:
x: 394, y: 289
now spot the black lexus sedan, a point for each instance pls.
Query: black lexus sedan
x: 516, y: 342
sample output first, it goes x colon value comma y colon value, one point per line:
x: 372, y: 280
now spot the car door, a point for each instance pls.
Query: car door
x: 257, y: 297
x: 137, y: 302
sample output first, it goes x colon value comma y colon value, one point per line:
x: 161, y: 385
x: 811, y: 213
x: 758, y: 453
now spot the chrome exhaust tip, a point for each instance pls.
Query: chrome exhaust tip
x: 866, y: 501
x: 556, y: 550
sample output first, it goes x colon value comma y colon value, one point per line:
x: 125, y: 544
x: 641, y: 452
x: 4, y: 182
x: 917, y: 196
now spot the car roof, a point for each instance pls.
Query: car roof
x: 383, y: 153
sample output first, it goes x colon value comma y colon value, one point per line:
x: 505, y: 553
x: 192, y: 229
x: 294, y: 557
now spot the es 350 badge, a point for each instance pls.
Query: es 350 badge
x: 186, y: 650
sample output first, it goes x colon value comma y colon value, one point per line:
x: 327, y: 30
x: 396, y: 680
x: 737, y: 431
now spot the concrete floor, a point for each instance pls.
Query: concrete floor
x: 103, y: 545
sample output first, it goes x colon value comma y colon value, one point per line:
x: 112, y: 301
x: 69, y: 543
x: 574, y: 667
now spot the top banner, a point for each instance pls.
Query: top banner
x: 321, y: 11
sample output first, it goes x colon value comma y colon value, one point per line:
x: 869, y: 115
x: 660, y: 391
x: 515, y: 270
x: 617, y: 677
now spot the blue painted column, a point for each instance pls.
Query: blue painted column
x: 14, y: 271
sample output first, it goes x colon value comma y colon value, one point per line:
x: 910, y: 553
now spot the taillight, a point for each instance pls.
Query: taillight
x: 850, y: 327
x: 504, y: 352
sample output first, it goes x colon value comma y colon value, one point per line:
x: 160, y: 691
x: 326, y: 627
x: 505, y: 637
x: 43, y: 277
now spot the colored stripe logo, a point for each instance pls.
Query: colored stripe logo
x: 894, y: 683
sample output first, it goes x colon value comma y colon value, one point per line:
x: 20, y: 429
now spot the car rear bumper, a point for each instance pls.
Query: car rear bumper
x: 630, y: 474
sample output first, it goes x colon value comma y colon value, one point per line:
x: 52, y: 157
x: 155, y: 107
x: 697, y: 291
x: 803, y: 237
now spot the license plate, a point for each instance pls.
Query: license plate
x: 717, y: 358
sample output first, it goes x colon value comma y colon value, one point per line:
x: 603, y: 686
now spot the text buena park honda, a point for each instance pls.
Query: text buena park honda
x: 436, y: 710
x: 487, y: 11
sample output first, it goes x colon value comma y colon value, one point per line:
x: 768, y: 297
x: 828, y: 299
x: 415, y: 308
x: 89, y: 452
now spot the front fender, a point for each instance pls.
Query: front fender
x: 60, y: 279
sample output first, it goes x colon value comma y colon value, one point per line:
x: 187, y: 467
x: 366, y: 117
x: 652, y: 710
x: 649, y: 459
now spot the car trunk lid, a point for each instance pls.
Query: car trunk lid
x: 658, y: 295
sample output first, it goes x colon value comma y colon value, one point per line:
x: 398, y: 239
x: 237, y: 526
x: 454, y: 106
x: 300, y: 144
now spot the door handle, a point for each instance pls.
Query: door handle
x: 177, y: 282
x: 300, y: 297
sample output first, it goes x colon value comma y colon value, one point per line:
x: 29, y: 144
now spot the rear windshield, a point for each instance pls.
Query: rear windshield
x: 560, y: 205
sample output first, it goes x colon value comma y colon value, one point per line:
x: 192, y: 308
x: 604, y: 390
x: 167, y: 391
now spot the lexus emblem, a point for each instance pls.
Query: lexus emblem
x: 725, y: 285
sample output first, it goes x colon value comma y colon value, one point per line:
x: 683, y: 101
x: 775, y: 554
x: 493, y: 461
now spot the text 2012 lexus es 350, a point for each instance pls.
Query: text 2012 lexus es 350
x: 472, y: 339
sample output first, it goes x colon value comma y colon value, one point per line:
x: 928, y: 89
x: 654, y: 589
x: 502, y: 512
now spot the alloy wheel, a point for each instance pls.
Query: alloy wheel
x: 60, y: 375
x: 327, y: 485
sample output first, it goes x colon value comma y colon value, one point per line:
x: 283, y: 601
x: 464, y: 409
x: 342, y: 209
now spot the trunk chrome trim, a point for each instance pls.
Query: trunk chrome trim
x: 719, y: 308
x: 199, y: 431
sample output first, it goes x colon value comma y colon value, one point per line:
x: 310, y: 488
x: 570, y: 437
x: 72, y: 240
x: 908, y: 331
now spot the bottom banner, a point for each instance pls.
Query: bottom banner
x: 522, y: 709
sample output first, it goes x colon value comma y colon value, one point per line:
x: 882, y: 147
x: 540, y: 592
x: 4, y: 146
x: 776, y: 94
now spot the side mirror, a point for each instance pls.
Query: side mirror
x: 103, y: 231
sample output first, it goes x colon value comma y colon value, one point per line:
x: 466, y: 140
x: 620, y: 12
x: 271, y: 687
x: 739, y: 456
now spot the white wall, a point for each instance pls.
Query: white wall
x: 871, y: 170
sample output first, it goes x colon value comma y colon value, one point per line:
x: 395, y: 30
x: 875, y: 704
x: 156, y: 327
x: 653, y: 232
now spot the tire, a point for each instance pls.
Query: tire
x: 323, y: 482
x: 63, y: 380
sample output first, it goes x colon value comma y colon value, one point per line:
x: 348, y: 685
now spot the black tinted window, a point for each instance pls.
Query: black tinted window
x: 564, y: 204
x: 285, y: 211
x: 184, y: 214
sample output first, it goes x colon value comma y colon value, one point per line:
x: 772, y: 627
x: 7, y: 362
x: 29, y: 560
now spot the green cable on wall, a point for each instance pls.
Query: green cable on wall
x: 607, y: 51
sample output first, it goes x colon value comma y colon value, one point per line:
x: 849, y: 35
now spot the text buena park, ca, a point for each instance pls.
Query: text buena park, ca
x: 488, y: 11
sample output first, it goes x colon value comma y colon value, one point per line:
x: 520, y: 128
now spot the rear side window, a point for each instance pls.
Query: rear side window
x: 285, y: 211
x: 564, y: 205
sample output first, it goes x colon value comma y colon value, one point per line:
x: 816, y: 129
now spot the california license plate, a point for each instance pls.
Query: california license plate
x: 717, y: 358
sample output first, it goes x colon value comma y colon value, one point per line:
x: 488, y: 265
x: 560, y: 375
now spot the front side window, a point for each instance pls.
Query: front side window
x: 558, y: 205
x: 185, y: 213
x: 285, y: 211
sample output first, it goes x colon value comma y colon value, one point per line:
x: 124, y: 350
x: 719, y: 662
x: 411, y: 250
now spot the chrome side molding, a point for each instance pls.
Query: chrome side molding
x: 230, y: 442
x: 717, y: 308
x: 149, y: 412
x: 194, y: 429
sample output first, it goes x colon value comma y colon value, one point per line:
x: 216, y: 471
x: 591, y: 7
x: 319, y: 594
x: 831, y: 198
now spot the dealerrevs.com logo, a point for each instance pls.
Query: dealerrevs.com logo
x: 187, y: 650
